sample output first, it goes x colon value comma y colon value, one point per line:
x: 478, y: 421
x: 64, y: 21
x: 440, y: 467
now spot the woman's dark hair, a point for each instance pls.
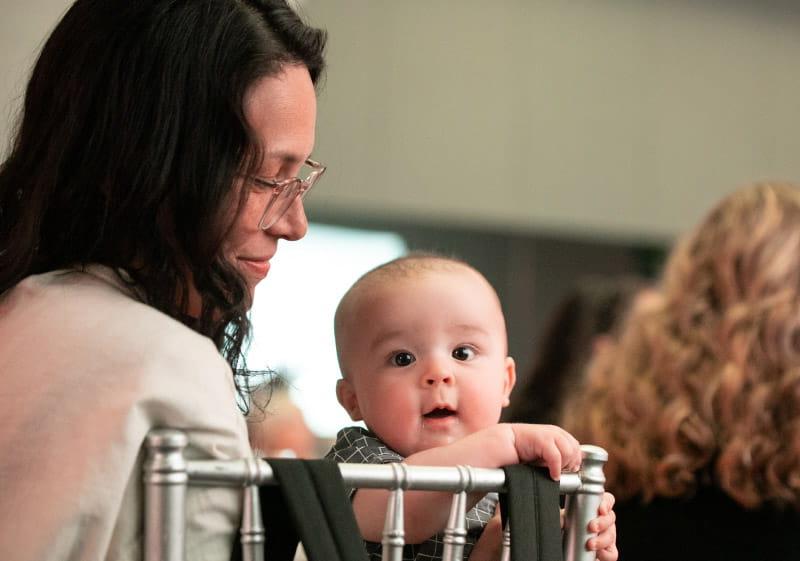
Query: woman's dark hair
x: 130, y: 139
x: 592, y: 308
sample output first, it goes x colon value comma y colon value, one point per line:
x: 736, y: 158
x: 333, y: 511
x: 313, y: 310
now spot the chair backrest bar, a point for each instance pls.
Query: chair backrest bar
x: 167, y: 474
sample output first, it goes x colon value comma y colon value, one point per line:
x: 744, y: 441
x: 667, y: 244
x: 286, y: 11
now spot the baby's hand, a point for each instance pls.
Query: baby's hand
x: 547, y: 445
x: 605, y: 543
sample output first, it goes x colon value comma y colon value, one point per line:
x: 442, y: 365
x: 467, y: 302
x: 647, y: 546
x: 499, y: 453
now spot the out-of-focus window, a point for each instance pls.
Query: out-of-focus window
x: 293, y: 314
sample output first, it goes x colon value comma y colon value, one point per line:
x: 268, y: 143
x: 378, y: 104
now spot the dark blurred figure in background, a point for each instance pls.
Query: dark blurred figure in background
x: 582, y: 323
x: 698, y: 404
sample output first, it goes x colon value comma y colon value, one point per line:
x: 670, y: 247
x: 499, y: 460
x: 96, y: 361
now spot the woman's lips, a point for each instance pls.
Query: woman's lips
x: 257, y: 268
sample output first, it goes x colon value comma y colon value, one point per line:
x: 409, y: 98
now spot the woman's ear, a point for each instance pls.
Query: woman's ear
x: 346, y: 394
x: 510, y: 380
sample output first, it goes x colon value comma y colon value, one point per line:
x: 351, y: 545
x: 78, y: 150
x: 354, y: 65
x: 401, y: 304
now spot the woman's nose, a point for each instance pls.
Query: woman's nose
x: 293, y: 225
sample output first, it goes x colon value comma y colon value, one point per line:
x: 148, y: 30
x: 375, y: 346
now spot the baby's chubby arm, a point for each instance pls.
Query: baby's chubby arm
x: 504, y: 444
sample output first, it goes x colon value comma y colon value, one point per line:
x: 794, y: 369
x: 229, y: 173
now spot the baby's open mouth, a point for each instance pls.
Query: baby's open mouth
x: 439, y: 413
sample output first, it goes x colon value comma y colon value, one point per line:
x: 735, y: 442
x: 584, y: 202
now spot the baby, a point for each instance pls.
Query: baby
x: 422, y: 348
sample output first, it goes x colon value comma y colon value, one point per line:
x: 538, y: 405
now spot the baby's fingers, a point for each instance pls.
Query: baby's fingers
x: 606, y: 504
x: 604, y: 523
x: 551, y: 457
x: 547, y: 445
x: 561, y: 453
x: 604, y: 543
x: 571, y: 452
x: 609, y: 553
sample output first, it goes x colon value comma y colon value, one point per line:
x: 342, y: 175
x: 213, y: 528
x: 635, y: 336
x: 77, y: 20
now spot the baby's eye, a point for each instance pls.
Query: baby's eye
x: 403, y: 358
x: 463, y: 353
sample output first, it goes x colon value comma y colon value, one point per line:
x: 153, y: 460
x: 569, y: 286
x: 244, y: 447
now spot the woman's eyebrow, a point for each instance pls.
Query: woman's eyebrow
x: 286, y: 157
x: 281, y: 158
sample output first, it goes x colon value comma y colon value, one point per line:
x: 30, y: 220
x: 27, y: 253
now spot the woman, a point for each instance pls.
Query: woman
x: 150, y: 181
x: 699, y: 404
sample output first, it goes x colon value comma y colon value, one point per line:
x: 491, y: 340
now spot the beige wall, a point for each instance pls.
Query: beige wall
x: 23, y: 27
x: 611, y: 118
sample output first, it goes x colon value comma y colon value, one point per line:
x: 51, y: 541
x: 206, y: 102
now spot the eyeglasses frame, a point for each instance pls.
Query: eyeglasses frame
x: 280, y: 186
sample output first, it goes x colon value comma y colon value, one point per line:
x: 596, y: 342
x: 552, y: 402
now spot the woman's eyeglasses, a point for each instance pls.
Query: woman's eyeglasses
x: 285, y: 191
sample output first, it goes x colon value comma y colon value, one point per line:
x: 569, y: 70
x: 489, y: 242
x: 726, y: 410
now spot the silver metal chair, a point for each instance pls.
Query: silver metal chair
x: 167, y: 474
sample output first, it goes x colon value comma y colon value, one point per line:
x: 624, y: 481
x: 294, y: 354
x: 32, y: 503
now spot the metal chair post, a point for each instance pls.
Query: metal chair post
x: 455, y: 534
x: 582, y: 506
x: 394, y: 527
x: 165, y: 481
x: 252, y: 531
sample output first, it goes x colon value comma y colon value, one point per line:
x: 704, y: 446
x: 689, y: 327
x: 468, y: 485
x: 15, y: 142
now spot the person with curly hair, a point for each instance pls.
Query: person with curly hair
x: 698, y: 404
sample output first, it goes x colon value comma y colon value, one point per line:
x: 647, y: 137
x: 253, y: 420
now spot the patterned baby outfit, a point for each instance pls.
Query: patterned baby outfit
x: 359, y: 446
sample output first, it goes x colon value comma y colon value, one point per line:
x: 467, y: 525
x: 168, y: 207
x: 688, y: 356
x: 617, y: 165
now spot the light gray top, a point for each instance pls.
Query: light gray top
x: 86, y: 370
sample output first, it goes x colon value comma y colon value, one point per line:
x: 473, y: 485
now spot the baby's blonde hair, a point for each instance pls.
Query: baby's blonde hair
x: 408, y: 266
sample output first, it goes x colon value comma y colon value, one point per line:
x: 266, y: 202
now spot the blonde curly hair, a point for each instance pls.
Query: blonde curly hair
x: 705, y: 387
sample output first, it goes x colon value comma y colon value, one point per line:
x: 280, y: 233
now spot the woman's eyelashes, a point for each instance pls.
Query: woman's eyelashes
x: 273, y: 177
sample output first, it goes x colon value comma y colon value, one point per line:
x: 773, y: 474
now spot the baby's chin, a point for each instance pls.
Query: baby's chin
x: 427, y: 442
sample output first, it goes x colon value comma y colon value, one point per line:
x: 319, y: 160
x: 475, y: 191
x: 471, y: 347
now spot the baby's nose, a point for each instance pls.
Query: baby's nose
x: 436, y: 376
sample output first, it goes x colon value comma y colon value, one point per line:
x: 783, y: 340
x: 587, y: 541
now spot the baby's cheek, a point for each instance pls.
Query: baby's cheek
x: 487, y: 413
x: 395, y: 426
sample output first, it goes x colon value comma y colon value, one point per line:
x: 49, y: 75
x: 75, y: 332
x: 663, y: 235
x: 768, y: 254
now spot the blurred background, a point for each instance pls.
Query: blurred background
x: 542, y: 141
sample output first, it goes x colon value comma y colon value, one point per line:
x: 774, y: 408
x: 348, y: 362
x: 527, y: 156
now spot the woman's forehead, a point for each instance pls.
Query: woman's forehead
x: 282, y: 111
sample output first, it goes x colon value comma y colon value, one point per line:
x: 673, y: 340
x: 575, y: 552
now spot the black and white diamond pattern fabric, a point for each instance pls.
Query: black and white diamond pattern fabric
x: 360, y: 446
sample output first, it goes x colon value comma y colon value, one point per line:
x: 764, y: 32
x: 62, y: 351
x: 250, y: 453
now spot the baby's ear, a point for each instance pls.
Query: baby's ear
x: 346, y: 394
x: 510, y: 380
